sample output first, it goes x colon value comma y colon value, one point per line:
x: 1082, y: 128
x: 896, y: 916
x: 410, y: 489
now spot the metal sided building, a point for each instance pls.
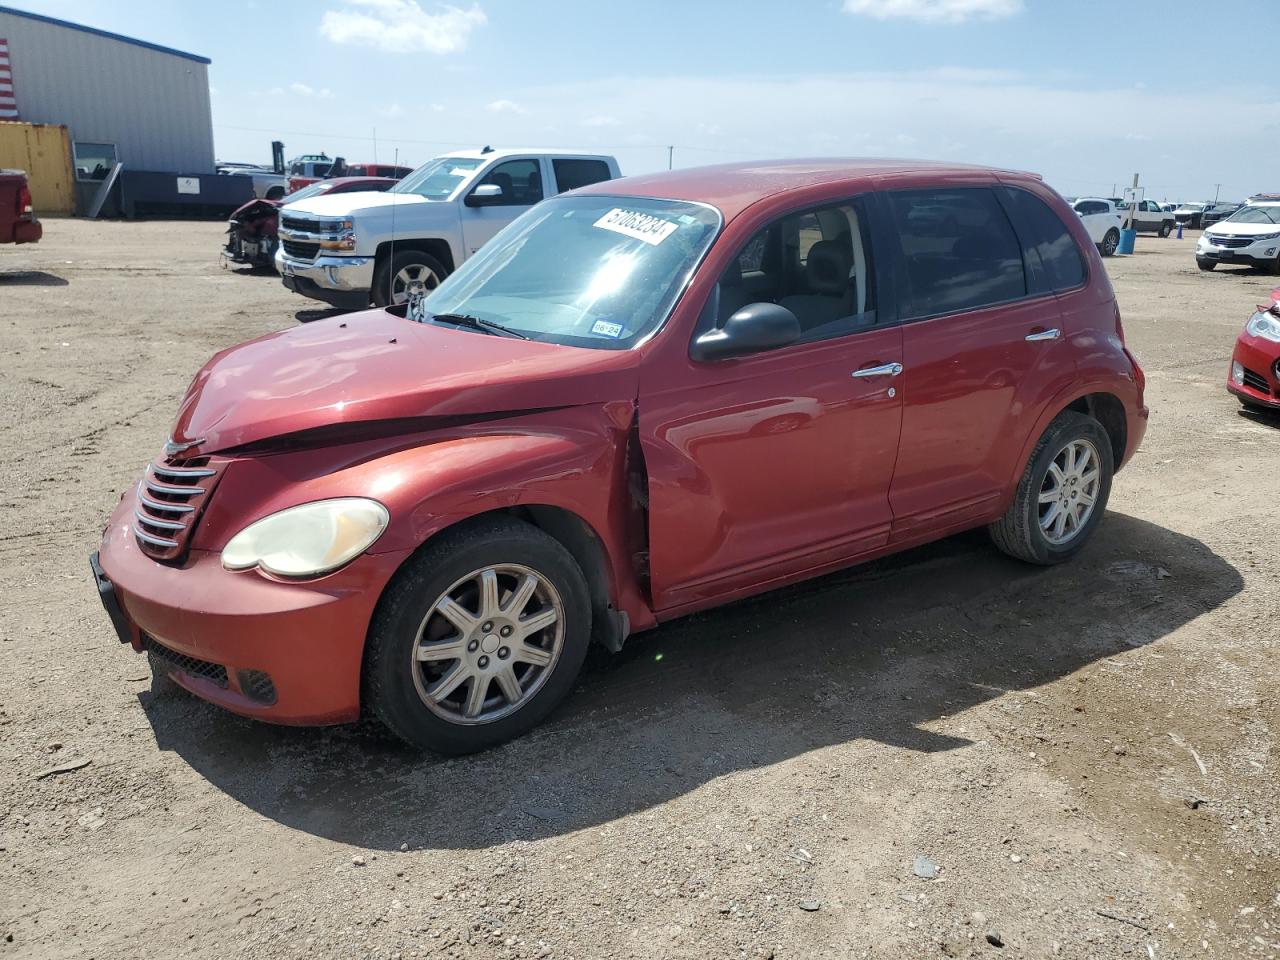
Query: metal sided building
x: 121, y: 100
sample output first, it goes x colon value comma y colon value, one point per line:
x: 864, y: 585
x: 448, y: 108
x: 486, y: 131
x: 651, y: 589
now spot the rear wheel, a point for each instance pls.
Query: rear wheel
x: 1165, y: 229
x: 1062, y: 494
x: 1110, y: 242
x: 406, y: 276
x: 478, y: 638
x: 275, y: 193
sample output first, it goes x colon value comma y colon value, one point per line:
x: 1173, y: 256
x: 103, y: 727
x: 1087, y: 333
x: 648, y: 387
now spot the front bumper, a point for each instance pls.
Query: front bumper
x: 1264, y: 252
x: 220, y: 632
x: 338, y: 281
x: 1261, y: 360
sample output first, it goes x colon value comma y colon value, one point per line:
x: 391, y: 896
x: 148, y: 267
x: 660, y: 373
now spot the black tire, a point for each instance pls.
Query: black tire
x: 275, y: 193
x: 389, y: 685
x: 392, y: 266
x: 1110, y: 242
x: 1206, y: 265
x: 1018, y: 532
x: 1165, y: 229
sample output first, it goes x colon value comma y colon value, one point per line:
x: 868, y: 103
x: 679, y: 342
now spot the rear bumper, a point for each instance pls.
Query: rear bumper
x: 307, y: 637
x: 27, y: 231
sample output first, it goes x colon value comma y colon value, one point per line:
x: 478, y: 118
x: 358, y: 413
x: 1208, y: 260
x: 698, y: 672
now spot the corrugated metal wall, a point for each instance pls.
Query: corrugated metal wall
x: 153, y: 106
x: 44, y: 151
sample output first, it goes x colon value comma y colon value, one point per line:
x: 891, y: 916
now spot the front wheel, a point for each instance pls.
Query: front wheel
x: 1206, y: 265
x: 1110, y: 242
x: 477, y: 638
x: 406, y: 276
x: 1062, y: 494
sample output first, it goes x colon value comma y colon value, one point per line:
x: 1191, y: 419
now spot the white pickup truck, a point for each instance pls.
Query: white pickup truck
x: 354, y: 248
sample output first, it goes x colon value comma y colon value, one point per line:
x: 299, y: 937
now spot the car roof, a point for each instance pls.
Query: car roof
x: 534, y: 151
x: 732, y: 187
x: 1093, y: 199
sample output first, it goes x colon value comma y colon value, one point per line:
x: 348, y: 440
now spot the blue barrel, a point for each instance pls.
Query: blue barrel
x: 1127, y: 237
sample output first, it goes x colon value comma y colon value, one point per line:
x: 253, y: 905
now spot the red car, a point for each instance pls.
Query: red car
x: 252, y: 230
x: 18, y: 223
x: 643, y: 398
x: 353, y: 170
x: 1255, y: 364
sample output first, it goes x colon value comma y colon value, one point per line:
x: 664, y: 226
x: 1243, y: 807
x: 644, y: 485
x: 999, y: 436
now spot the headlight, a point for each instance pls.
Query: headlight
x: 310, y: 539
x: 345, y: 229
x: 1266, y: 236
x: 1264, y: 324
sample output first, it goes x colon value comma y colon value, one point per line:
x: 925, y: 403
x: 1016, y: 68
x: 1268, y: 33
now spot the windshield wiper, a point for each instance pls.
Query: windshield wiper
x: 478, y: 323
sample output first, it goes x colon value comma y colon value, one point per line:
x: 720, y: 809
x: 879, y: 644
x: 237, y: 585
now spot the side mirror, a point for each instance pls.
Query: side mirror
x: 756, y: 327
x: 485, y: 195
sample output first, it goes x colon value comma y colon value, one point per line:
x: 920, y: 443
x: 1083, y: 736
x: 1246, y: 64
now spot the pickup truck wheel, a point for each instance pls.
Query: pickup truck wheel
x: 1165, y: 229
x: 409, y: 273
x: 1062, y: 494
x: 477, y: 638
x: 275, y: 193
x: 1110, y: 242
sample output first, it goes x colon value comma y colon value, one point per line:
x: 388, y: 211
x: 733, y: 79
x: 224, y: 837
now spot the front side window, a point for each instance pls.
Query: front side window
x: 520, y: 180
x: 587, y: 271
x: 572, y: 173
x: 1048, y: 242
x: 816, y: 263
x: 959, y: 251
x: 437, y: 179
x: 94, y: 160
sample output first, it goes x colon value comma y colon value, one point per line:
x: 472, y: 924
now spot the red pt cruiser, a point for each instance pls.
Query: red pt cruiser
x: 641, y: 399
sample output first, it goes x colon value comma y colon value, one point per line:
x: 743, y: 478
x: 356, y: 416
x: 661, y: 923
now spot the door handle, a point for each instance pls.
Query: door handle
x: 884, y: 370
x: 1051, y: 334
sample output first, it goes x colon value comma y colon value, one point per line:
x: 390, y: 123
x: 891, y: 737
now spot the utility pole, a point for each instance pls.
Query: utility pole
x: 670, y: 152
x: 1132, y: 206
x: 1216, y: 188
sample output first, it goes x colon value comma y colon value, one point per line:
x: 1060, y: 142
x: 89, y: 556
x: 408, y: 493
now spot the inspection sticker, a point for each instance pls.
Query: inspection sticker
x: 604, y: 328
x: 637, y: 226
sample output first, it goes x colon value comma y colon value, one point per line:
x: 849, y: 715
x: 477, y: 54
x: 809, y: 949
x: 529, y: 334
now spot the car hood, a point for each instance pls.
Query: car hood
x: 336, y: 205
x: 1234, y: 229
x: 374, y: 367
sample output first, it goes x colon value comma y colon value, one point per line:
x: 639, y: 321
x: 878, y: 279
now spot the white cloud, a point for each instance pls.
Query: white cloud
x: 601, y: 120
x: 392, y: 111
x: 402, y: 26
x: 302, y: 90
x: 505, y: 106
x: 933, y: 11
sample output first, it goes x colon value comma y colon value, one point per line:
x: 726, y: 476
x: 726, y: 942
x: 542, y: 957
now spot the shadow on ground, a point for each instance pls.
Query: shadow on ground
x: 1256, y: 414
x: 30, y: 278
x: 323, y: 313
x: 875, y: 653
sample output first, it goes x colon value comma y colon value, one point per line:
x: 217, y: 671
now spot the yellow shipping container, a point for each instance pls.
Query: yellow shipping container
x: 44, y: 151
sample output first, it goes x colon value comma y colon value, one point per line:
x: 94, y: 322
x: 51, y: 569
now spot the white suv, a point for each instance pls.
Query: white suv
x: 1250, y: 236
x: 1102, y: 221
x: 349, y: 249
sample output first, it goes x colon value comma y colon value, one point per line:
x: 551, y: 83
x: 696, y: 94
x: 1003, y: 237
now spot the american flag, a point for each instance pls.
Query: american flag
x: 8, y: 103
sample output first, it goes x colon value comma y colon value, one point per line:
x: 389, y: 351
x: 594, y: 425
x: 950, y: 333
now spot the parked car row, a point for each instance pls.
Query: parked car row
x: 429, y: 511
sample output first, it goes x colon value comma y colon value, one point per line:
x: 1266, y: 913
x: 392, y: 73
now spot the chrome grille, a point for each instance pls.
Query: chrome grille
x: 300, y: 250
x: 304, y: 225
x: 170, y: 500
x: 1233, y: 242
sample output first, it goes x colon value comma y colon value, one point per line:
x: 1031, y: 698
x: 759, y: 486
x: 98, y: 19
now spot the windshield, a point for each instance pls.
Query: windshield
x: 437, y: 179
x: 589, y: 271
x: 310, y: 191
x: 1256, y: 214
x: 1192, y: 206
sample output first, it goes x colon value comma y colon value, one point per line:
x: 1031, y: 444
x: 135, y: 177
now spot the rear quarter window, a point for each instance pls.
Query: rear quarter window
x: 959, y: 251
x: 572, y: 174
x: 1052, y: 253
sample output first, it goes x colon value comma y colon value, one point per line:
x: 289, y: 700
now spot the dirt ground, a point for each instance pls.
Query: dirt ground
x: 1086, y: 753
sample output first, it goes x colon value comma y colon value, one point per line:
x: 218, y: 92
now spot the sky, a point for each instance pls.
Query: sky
x: 1085, y: 92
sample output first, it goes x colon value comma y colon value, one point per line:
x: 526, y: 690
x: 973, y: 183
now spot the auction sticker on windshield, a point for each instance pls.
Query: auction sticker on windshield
x: 636, y: 225
x: 603, y: 328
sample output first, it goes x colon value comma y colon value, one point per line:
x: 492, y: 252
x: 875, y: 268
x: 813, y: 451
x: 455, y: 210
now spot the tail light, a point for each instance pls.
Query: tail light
x: 25, y: 210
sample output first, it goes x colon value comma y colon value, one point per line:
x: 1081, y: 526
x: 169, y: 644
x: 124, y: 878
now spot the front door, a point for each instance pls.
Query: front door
x: 521, y: 184
x: 765, y: 466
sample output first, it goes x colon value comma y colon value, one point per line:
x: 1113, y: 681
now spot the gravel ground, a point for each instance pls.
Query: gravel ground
x: 1085, y: 754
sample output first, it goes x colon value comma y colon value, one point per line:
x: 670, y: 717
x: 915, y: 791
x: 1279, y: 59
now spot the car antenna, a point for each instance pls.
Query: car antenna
x: 391, y: 255
x: 487, y: 149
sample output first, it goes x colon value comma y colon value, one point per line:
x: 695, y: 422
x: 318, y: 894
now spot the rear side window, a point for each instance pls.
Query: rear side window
x: 1054, y: 257
x: 959, y: 251
x: 572, y: 174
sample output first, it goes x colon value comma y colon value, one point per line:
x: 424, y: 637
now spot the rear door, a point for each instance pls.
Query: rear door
x: 980, y: 337
x: 521, y: 180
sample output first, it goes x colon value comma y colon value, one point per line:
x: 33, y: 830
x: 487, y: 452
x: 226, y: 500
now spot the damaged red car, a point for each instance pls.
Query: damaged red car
x: 251, y: 231
x: 644, y: 398
x: 1255, y: 362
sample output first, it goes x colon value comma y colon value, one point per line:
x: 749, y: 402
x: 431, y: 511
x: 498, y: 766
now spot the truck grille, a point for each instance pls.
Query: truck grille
x: 1233, y: 242
x: 303, y: 225
x: 299, y: 250
x: 171, y: 498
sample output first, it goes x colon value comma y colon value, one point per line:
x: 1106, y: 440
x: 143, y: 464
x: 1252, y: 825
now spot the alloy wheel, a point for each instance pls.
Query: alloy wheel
x: 1069, y: 491
x: 488, y: 644
x: 414, y: 280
